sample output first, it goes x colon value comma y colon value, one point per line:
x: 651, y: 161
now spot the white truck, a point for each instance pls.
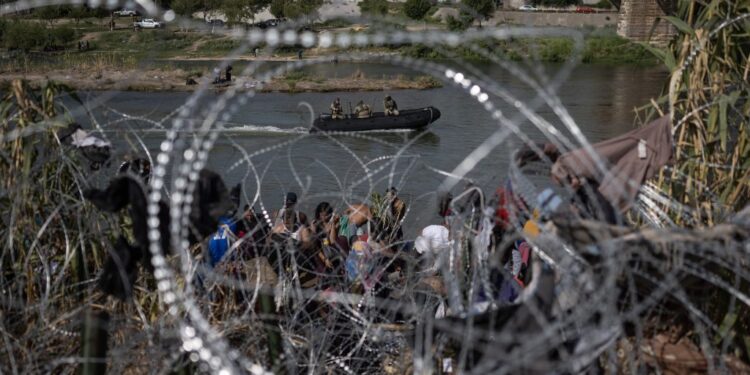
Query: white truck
x: 147, y: 23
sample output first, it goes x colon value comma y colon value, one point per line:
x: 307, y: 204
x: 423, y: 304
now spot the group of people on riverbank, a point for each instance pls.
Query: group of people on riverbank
x: 361, y: 248
x: 348, y: 244
x: 363, y: 110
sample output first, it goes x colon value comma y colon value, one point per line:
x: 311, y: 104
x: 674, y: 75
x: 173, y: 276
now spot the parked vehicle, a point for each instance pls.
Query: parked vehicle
x: 527, y: 8
x: 273, y: 22
x: 147, y: 23
x: 216, y: 22
x: 125, y: 13
x: 585, y: 10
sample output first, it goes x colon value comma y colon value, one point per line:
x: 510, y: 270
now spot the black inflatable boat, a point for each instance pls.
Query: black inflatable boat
x: 406, y: 119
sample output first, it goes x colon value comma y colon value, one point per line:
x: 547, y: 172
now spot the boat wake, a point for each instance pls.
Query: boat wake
x: 387, y: 131
x: 270, y: 129
x: 265, y: 129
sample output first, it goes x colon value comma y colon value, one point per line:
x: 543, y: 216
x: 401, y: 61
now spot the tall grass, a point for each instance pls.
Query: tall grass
x: 598, y: 49
x: 708, y: 97
x: 93, y: 61
x: 52, y: 243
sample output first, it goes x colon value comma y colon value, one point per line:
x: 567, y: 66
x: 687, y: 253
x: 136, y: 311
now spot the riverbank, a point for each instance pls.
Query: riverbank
x: 123, y: 46
x: 177, y: 80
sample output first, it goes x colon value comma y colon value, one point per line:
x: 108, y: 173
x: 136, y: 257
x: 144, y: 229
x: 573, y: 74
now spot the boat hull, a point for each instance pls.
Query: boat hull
x: 407, y: 119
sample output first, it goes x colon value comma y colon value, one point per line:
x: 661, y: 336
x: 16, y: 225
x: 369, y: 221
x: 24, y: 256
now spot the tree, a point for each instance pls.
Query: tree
x: 277, y: 8
x: 416, y: 9
x: 374, y: 7
x: 99, y: 13
x: 457, y: 23
x: 257, y: 6
x: 79, y: 11
x: 209, y: 5
x: 295, y: 9
x: 479, y: 9
x: 50, y: 13
x: 235, y: 10
x: 238, y: 11
x: 167, y: 4
x: 185, y: 8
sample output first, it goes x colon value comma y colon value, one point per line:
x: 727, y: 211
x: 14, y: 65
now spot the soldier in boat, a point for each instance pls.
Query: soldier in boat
x: 391, y: 108
x: 337, y: 113
x: 362, y: 110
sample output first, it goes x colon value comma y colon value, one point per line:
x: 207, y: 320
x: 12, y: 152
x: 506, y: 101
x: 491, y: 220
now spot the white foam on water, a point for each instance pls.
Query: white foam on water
x: 242, y: 129
x: 265, y: 129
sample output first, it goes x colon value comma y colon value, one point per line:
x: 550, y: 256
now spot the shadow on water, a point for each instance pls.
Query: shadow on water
x: 395, y: 137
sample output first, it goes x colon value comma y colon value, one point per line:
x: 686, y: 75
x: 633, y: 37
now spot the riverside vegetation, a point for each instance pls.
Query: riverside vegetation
x: 37, y: 49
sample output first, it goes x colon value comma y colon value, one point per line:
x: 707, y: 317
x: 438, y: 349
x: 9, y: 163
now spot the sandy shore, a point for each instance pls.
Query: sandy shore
x: 175, y: 80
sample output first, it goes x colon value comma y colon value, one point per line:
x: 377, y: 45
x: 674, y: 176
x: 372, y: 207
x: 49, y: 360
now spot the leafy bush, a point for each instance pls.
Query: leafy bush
x: 416, y: 9
x: 185, y: 7
x: 277, y: 8
x: 614, y: 49
x: 295, y: 9
x: 333, y: 23
x: 61, y: 36
x: 456, y: 24
x: 420, y: 51
x: 478, y: 9
x: 555, y: 49
x: 24, y: 36
x: 51, y: 13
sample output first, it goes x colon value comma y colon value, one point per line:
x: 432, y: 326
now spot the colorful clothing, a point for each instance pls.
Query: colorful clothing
x: 220, y: 242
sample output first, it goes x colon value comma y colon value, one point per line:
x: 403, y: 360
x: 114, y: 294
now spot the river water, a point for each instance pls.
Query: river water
x: 601, y: 100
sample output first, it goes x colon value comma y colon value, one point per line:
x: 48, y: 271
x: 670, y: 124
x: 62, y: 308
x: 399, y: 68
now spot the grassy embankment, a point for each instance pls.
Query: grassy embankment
x: 146, y: 59
x: 599, y: 48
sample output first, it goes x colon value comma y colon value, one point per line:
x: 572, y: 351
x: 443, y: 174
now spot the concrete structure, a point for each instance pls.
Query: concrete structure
x: 553, y: 19
x: 640, y: 21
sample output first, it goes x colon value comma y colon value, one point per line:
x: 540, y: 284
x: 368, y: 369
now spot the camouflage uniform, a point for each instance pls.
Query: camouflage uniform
x: 362, y: 110
x: 391, y: 108
x: 336, y: 112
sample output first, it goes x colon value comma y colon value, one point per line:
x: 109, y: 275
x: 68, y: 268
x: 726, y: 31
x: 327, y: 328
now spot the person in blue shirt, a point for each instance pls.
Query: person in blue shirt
x: 221, y: 240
